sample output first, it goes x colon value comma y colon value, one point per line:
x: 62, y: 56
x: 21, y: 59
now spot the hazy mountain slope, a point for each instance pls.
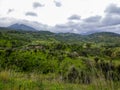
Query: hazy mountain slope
x: 102, y: 37
x: 21, y: 27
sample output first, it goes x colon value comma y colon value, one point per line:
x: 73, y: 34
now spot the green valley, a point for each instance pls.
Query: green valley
x: 42, y: 60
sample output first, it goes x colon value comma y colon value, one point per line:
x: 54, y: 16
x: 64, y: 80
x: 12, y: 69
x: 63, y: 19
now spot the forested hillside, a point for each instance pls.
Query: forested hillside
x: 84, y: 62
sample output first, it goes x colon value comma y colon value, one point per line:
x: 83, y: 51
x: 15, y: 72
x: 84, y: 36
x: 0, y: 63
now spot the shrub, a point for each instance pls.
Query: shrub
x: 72, y: 74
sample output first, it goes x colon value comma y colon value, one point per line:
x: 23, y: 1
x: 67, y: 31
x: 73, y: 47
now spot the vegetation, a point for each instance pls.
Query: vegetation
x: 47, y: 61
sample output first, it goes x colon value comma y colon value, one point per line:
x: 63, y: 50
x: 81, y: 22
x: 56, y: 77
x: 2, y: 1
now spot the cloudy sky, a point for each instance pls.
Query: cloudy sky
x: 76, y: 16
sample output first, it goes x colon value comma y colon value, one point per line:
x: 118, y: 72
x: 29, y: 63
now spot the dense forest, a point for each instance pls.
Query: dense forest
x: 42, y: 60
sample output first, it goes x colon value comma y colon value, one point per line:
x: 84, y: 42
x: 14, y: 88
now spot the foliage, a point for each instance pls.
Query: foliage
x: 71, y: 58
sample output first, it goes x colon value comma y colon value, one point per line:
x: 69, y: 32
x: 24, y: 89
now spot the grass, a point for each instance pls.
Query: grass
x: 10, y: 80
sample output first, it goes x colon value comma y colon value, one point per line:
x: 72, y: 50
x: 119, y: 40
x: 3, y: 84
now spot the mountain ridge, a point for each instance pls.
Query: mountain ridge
x: 17, y: 26
x: 28, y: 27
x: 99, y: 37
x: 60, y: 34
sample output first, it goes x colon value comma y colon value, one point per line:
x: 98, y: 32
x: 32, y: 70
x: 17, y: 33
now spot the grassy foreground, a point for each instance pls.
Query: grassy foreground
x: 10, y: 80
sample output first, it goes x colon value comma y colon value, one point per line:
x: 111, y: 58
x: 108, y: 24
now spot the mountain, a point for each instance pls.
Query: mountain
x: 99, y: 37
x: 21, y: 27
x: 104, y: 36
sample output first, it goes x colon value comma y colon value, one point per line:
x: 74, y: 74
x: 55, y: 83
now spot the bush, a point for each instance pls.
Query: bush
x: 72, y: 75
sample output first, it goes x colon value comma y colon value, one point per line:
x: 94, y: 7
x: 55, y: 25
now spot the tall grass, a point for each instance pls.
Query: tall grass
x: 10, y: 80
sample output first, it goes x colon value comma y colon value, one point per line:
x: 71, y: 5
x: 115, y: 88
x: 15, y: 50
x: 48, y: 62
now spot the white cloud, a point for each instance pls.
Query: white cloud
x: 52, y: 15
x: 91, y: 12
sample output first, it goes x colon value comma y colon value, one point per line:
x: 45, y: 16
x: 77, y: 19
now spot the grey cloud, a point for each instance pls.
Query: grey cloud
x: 93, y: 19
x: 30, y: 14
x: 74, y: 17
x: 61, y: 30
x: 108, y: 23
x: 70, y: 27
x: 85, y: 28
x: 112, y: 15
x: 111, y: 20
x: 80, y: 28
x: 10, y: 10
x: 114, y: 28
x: 37, y: 5
x: 57, y: 3
x: 64, y: 28
x: 112, y: 9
